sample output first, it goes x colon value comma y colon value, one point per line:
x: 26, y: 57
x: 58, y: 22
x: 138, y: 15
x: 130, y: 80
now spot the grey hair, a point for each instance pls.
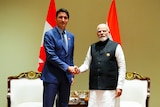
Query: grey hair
x: 104, y: 25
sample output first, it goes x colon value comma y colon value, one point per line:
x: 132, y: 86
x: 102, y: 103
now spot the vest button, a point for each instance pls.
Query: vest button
x: 99, y: 63
x: 98, y: 69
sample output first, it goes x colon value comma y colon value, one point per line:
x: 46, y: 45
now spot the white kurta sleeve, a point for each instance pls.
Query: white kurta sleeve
x: 87, y: 61
x: 121, y: 66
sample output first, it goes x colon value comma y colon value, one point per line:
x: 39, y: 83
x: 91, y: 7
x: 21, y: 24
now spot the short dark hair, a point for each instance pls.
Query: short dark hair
x: 62, y: 10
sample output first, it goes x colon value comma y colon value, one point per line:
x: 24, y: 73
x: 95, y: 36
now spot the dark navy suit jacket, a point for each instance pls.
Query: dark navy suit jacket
x: 57, y: 58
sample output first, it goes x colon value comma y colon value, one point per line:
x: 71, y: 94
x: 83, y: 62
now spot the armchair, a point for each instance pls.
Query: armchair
x: 136, y: 91
x: 25, y: 90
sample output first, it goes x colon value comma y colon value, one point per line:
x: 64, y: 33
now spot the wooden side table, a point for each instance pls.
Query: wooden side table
x: 78, y: 98
x: 78, y: 105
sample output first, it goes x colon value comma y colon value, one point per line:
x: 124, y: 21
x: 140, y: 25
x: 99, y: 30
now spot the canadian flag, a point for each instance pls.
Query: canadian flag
x: 49, y: 24
x: 113, y: 23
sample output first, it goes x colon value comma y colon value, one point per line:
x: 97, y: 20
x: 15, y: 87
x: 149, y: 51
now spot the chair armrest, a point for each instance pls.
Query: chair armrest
x: 8, y: 100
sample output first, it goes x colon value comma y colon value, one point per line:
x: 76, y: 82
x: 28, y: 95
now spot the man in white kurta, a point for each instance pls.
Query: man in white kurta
x: 101, y: 93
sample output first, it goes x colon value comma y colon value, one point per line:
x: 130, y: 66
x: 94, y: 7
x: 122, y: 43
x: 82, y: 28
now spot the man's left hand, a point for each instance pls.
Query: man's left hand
x: 118, y: 92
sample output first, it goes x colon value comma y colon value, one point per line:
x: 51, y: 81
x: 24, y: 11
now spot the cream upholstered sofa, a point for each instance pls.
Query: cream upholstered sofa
x: 136, y: 91
x: 26, y: 89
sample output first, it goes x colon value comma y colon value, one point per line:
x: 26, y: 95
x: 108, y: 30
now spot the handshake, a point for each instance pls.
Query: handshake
x: 74, y: 70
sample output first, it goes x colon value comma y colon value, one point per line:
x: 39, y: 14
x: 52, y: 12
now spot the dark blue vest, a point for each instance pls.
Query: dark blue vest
x: 103, y: 67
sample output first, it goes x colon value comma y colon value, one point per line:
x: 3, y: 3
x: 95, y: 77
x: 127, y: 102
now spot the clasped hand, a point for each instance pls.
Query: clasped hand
x: 73, y: 69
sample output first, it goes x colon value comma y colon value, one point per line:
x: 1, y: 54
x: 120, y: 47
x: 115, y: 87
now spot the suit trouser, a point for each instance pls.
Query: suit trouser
x: 103, y: 98
x: 61, y: 89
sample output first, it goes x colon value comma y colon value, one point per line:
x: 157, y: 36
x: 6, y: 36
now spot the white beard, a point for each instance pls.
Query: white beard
x: 103, y: 38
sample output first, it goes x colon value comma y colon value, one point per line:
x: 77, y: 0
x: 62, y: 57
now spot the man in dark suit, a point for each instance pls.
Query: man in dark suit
x: 59, y: 68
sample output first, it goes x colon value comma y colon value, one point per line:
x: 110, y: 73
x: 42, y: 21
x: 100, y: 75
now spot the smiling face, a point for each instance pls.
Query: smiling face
x: 102, y: 32
x: 62, y: 20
